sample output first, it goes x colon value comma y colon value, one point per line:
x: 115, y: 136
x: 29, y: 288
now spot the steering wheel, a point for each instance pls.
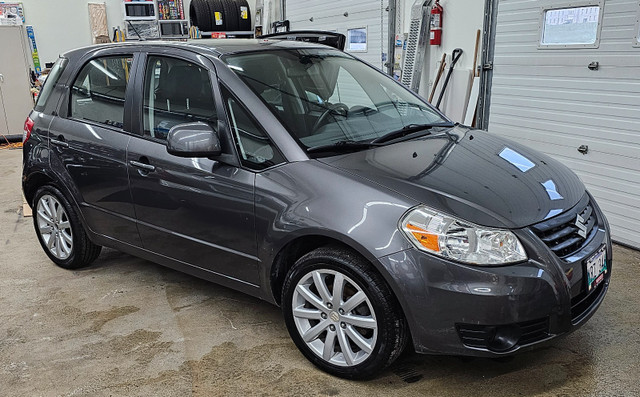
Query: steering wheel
x: 339, y: 108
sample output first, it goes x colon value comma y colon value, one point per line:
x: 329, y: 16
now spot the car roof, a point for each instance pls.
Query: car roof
x: 214, y: 47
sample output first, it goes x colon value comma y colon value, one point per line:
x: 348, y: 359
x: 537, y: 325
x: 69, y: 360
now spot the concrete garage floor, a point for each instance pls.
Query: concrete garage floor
x: 126, y: 326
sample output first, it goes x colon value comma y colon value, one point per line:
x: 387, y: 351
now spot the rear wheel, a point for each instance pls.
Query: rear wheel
x: 342, y: 315
x: 60, y: 232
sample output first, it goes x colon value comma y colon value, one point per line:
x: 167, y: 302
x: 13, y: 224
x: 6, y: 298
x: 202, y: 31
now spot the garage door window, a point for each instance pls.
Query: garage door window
x: 99, y: 90
x: 574, y: 26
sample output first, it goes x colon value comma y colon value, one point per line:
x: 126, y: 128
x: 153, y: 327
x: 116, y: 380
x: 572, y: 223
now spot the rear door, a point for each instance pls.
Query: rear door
x: 89, y: 140
x: 197, y: 211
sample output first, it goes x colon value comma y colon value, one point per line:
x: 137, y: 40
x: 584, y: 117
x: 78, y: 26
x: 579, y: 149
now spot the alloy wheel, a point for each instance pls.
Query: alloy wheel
x: 334, y: 317
x: 54, y: 227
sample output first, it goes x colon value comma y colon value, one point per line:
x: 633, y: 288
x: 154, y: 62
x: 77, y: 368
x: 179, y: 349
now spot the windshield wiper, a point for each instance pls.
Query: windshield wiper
x: 406, y: 130
x: 341, y: 146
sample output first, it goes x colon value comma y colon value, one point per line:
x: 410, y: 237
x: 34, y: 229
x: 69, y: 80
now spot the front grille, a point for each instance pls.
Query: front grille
x: 482, y: 336
x: 560, y: 233
x: 582, y: 303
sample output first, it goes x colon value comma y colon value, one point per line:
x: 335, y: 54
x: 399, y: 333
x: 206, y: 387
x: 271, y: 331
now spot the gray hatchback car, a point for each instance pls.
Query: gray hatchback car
x: 300, y: 175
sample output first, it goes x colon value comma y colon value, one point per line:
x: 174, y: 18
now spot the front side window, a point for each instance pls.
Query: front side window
x: 98, y: 93
x: 176, y: 92
x: 325, y: 97
x: 254, y: 146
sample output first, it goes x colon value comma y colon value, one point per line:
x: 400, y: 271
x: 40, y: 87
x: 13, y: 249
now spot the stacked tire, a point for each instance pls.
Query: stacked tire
x: 220, y: 15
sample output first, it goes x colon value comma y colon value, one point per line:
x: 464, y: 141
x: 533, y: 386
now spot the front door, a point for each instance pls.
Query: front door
x: 89, y: 143
x: 195, y: 210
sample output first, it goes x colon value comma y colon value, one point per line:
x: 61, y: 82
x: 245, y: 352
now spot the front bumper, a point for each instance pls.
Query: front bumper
x: 461, y: 309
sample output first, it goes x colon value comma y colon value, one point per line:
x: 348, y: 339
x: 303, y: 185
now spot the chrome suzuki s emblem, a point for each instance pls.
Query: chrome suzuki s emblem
x: 582, y: 227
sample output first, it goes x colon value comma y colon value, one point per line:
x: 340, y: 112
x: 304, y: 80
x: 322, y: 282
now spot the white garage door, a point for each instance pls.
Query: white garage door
x: 545, y: 95
x: 362, y: 16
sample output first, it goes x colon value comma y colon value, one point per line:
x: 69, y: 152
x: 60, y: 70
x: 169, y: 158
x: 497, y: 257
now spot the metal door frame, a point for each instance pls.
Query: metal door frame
x: 486, y: 64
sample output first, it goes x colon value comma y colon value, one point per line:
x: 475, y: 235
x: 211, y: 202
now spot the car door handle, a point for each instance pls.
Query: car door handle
x: 143, y: 166
x: 60, y: 143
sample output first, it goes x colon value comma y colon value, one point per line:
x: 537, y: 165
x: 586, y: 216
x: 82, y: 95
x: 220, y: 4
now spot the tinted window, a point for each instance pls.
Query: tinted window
x: 99, y: 90
x: 50, y: 83
x: 255, y: 148
x: 176, y: 92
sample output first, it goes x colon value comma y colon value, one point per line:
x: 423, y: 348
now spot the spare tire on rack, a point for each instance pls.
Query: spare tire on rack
x: 200, y: 15
x: 231, y: 13
x: 244, y: 24
x: 220, y: 24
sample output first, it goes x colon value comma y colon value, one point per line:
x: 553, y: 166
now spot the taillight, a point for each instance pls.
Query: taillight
x: 28, y: 126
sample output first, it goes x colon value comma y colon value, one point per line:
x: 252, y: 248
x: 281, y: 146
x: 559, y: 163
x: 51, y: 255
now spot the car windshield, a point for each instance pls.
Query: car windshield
x: 327, y: 98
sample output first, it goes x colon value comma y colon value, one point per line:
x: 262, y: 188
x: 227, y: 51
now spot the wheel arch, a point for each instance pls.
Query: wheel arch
x: 302, y: 244
x: 37, y: 179
x: 32, y: 183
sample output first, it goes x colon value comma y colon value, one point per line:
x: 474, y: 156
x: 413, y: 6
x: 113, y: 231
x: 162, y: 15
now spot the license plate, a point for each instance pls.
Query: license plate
x: 596, y: 268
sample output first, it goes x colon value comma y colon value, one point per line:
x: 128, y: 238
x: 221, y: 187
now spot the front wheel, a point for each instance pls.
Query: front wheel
x: 342, y: 315
x: 60, y: 232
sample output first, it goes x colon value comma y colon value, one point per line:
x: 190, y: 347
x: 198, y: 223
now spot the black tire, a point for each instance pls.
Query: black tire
x: 217, y: 6
x: 82, y: 251
x: 391, y: 326
x: 200, y: 15
x: 243, y: 24
x: 231, y: 12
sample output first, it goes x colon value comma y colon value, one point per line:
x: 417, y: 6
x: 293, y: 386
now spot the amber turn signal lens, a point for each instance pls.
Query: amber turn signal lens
x: 426, y: 239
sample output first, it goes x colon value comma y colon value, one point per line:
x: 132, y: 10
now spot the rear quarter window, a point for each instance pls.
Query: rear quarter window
x: 50, y: 83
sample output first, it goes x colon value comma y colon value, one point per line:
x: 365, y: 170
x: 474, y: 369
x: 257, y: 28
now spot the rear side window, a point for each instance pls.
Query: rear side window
x: 98, y: 93
x: 176, y: 92
x: 50, y: 83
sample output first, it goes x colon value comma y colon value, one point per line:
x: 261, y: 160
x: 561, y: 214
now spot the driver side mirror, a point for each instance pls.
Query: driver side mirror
x: 193, y: 140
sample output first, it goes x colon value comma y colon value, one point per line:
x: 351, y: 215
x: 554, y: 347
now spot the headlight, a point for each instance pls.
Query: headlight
x: 462, y: 241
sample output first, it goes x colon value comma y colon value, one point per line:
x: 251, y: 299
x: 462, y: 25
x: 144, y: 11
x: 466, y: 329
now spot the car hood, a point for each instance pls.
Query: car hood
x: 471, y: 174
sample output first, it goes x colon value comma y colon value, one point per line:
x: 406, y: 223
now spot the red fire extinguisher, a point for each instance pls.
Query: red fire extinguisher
x: 436, y: 25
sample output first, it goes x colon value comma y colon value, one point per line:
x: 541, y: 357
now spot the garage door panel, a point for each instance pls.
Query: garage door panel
x: 554, y: 148
x: 624, y: 199
x: 296, y: 8
x: 549, y: 58
x: 513, y: 106
x: 556, y: 129
x: 587, y: 96
x: 507, y: 7
x: 600, y: 85
x: 629, y: 73
x: 617, y: 212
x: 602, y: 172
